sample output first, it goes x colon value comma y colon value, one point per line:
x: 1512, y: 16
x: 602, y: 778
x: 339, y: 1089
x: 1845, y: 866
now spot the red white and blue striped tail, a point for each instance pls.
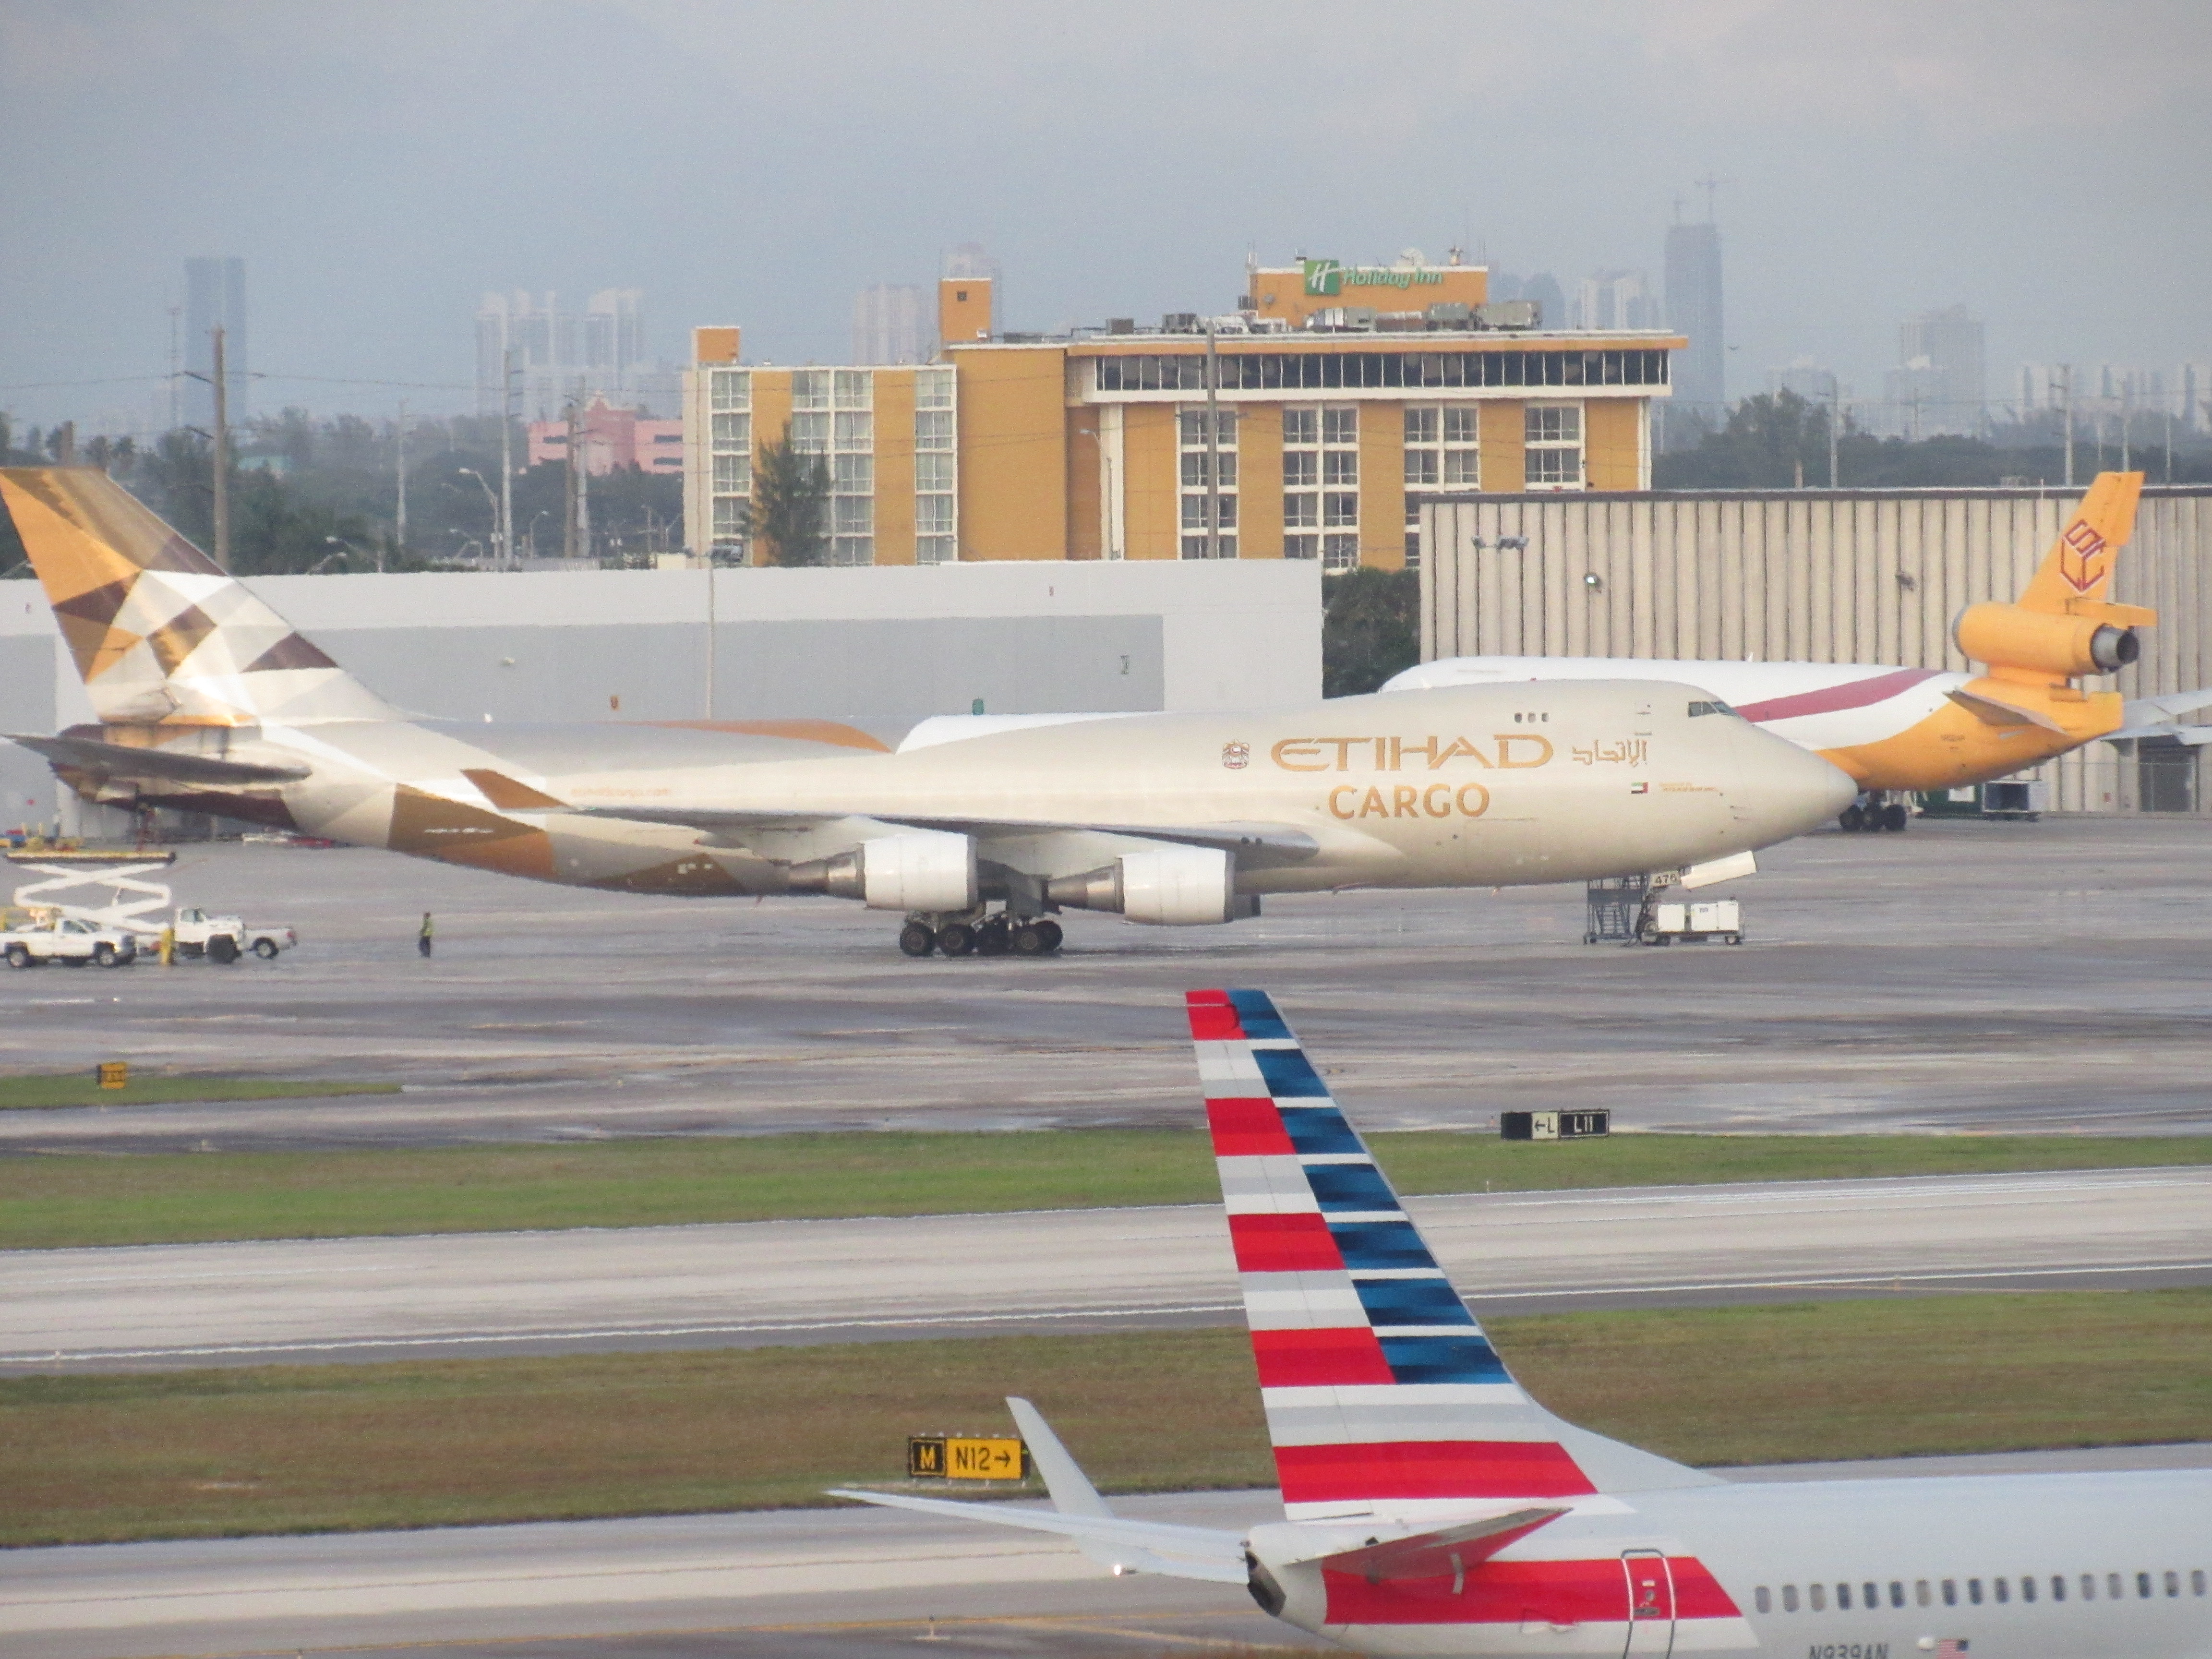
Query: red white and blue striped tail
x: 1383, y: 1396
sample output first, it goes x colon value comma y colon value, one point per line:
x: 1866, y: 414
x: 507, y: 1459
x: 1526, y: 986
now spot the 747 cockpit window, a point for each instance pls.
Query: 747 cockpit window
x: 1715, y: 707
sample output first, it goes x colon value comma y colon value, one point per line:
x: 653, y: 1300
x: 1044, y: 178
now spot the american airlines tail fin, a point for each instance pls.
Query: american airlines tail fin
x: 2078, y: 566
x: 1383, y: 1394
x: 161, y: 634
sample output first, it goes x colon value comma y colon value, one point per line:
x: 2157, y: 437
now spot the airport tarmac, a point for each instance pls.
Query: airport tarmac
x: 841, y: 1583
x: 780, y: 1283
x: 1963, y: 975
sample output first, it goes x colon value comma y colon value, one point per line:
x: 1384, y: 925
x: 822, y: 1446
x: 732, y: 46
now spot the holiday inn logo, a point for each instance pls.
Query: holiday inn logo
x: 1330, y: 277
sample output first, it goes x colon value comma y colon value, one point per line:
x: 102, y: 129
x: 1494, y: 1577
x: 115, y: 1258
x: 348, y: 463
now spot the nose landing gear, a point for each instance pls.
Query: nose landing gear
x: 976, y: 934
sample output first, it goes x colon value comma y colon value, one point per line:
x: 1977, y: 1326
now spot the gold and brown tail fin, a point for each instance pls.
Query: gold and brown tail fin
x: 159, y: 631
x: 2078, y: 566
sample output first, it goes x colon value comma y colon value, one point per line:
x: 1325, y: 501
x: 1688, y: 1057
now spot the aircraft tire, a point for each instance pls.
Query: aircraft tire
x: 1028, y: 940
x: 957, y: 938
x: 1894, y: 817
x: 1052, y: 936
x: 1851, y: 820
x: 916, y: 939
x: 991, y: 940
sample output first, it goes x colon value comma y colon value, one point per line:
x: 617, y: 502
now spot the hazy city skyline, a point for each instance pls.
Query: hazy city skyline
x: 378, y: 171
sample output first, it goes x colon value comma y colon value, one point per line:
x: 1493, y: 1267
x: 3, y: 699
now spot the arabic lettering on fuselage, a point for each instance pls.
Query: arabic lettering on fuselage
x: 1628, y: 752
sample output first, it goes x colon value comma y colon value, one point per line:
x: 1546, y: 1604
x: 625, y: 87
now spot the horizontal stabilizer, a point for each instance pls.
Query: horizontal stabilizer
x: 1446, y: 1550
x: 116, y: 760
x: 1146, y: 1545
x: 1994, y: 711
x: 2159, y: 717
x: 509, y: 796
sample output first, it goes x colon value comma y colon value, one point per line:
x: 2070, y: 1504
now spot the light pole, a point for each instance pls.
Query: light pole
x: 499, y: 539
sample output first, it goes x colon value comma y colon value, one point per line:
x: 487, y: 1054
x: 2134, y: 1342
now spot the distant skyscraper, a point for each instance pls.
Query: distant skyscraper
x: 215, y: 292
x: 559, y: 354
x: 1804, y: 379
x: 1938, y: 385
x: 1693, y: 310
x: 1613, y: 300
x: 891, y: 325
x: 1551, y: 304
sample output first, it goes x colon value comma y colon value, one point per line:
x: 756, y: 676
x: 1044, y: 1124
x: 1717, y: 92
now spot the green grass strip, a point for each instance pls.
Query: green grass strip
x: 75, y: 1200
x: 78, y: 1089
x: 292, y: 1448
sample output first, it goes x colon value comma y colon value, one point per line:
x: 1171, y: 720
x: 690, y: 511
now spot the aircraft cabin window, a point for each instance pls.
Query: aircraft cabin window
x: 1920, y: 1592
x: 1974, y: 1591
x: 2142, y: 1586
x: 2197, y: 1582
x: 2027, y: 1588
x: 2003, y: 1593
x: 1818, y: 1595
x: 1762, y: 1599
x: 1844, y: 1597
x: 1789, y: 1598
x: 2173, y: 1584
x: 1896, y: 1594
x: 2058, y: 1587
x: 1950, y: 1592
x: 1873, y: 1596
x: 2112, y: 1585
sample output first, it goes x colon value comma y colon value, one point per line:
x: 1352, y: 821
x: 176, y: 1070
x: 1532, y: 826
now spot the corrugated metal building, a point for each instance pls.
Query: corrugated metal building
x: 1814, y: 575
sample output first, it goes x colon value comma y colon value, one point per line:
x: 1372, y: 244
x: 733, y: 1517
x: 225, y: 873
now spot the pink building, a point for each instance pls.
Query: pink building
x: 612, y: 438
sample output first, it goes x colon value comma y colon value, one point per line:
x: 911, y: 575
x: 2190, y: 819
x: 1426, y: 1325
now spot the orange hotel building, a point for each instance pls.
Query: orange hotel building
x: 1342, y: 396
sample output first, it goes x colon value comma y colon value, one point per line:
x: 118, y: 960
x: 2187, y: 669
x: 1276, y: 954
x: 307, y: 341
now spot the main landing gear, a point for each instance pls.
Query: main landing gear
x: 1873, y: 813
x: 975, y: 934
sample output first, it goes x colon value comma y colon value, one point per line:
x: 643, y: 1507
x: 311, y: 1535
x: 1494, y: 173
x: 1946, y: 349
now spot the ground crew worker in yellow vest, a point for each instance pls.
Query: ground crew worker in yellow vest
x: 422, y: 938
x: 169, y: 946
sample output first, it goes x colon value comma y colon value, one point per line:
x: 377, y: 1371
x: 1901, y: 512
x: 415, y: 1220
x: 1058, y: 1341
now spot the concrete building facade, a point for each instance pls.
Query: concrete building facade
x: 1816, y: 575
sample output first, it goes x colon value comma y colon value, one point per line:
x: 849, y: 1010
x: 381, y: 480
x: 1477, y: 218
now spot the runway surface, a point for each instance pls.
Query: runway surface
x: 822, y: 1281
x: 2044, y: 976
x: 819, y: 1583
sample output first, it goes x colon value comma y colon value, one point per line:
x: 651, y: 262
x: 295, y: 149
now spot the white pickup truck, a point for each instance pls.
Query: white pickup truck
x: 69, y: 941
x: 225, y: 939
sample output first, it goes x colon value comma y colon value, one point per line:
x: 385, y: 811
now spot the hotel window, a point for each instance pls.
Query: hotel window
x: 1301, y: 483
x: 1191, y: 463
x: 1339, y: 483
x: 936, y: 470
x: 853, y: 388
x: 1440, y: 454
x: 730, y: 448
x: 731, y: 389
x: 809, y: 388
x: 1553, y: 436
x: 809, y: 433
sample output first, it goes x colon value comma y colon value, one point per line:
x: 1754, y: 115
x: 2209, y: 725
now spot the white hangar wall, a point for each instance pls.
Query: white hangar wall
x: 883, y: 643
x: 1810, y: 576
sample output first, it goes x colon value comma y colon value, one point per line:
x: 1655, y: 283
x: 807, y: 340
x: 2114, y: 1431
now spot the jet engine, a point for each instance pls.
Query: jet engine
x: 2014, y: 636
x: 915, y: 870
x: 1174, y: 887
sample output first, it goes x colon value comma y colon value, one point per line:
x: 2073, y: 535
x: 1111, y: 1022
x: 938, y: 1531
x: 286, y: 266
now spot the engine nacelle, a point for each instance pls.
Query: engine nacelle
x: 2013, y: 636
x: 1174, y: 887
x: 915, y: 870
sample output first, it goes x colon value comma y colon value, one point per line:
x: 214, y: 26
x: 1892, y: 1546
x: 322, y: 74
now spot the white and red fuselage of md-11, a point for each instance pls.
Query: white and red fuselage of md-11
x: 1898, y: 730
x: 1432, y: 1507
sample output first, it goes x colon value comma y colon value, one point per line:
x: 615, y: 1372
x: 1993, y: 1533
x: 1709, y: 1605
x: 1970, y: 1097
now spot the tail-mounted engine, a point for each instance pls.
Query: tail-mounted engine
x: 1174, y: 887
x: 916, y: 870
x: 2044, y: 642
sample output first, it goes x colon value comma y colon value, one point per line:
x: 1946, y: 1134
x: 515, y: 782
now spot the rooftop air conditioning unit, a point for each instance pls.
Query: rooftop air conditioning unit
x: 1120, y: 325
x: 1451, y: 313
x: 1511, y: 314
x: 1179, y: 322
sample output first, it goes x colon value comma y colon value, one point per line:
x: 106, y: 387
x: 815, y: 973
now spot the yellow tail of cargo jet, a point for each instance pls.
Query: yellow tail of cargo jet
x: 2062, y: 627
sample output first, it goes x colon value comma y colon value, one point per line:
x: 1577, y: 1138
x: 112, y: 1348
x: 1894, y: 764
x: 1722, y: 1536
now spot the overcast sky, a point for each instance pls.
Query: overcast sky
x: 379, y: 165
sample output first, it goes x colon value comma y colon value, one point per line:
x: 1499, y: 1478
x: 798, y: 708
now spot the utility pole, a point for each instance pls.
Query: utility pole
x: 2067, y: 401
x: 401, y: 523
x: 710, y: 631
x: 507, y: 459
x: 1212, y: 446
x: 2127, y: 421
x: 221, y: 456
x: 568, y: 517
x: 1835, y: 420
x: 176, y: 370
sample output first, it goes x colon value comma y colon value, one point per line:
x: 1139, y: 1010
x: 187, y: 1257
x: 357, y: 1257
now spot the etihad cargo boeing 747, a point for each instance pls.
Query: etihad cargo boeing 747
x: 1432, y: 1507
x: 210, y: 702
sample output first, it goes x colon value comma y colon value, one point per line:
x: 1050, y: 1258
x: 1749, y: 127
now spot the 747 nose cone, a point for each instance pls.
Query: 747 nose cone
x: 1784, y: 791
